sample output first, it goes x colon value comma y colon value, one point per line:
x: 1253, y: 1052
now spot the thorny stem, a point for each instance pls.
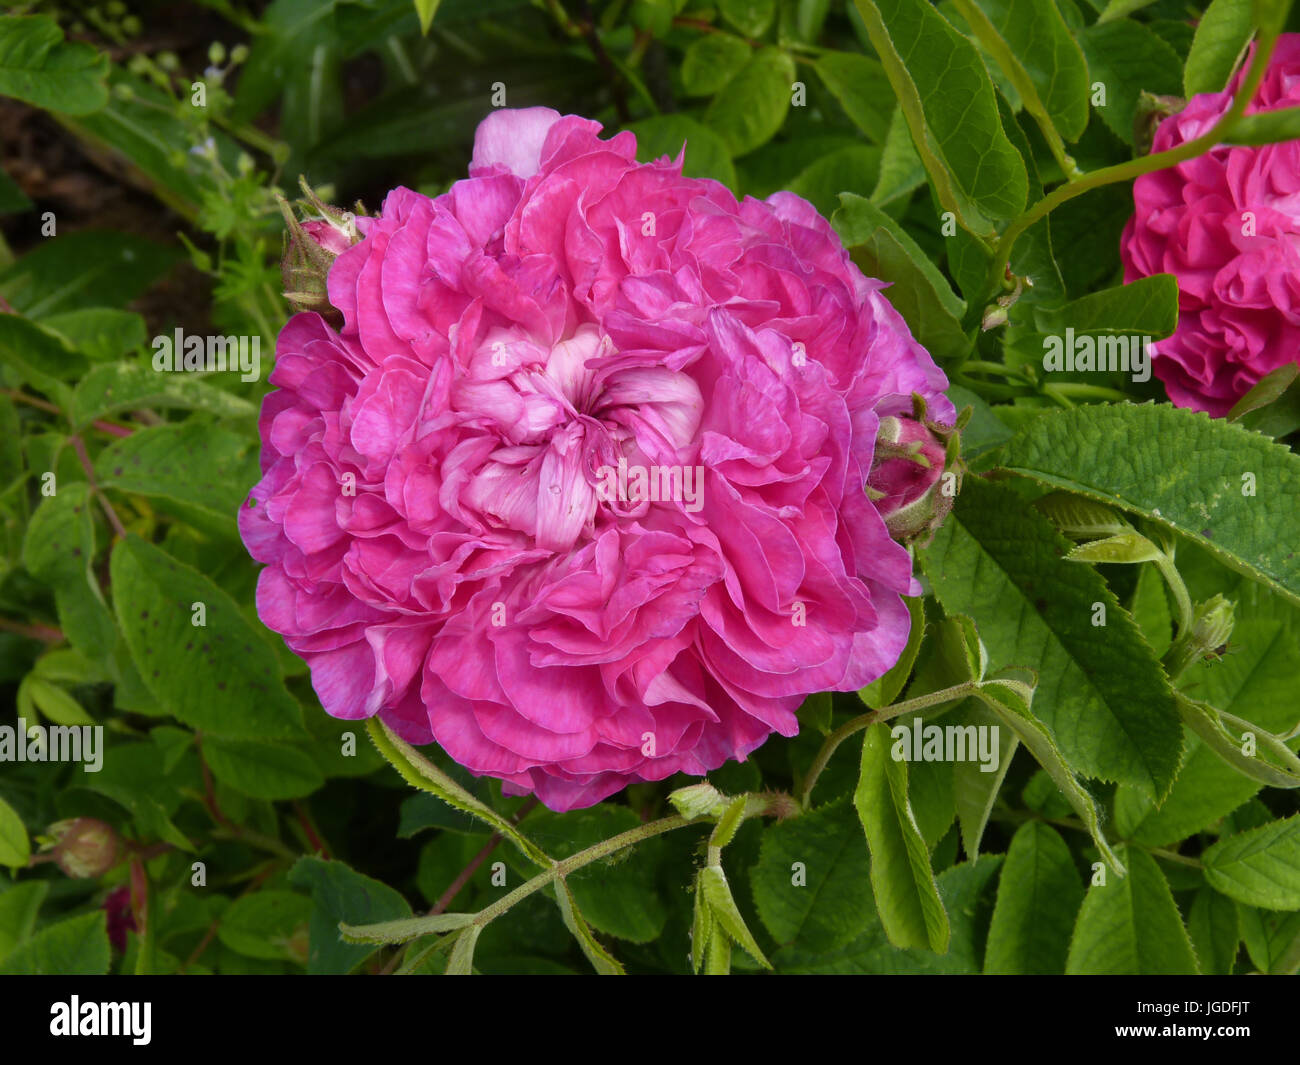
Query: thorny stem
x: 885, y: 713
x: 764, y: 804
x: 565, y: 866
x: 462, y: 878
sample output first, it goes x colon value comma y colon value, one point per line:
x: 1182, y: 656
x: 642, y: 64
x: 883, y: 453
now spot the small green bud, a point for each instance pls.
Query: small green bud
x: 1212, y: 624
x: 696, y: 800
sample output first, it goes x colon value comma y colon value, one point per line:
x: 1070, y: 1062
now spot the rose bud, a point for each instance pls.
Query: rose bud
x: 906, y: 480
x: 310, y: 248
x: 84, y: 847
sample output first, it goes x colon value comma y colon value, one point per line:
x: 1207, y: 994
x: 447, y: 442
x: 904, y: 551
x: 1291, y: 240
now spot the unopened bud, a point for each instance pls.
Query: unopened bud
x: 1151, y: 111
x: 907, y: 476
x: 1212, y: 624
x: 84, y: 847
x: 310, y: 249
x: 696, y: 800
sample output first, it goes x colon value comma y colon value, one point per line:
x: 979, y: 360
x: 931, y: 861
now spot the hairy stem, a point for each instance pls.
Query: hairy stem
x: 885, y: 713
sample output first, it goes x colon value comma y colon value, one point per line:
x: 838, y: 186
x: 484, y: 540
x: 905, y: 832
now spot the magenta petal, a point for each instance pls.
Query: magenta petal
x: 513, y: 139
x: 578, y: 490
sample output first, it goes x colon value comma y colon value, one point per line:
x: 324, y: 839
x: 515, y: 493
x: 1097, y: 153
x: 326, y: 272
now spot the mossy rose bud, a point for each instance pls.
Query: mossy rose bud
x: 310, y: 248
x: 907, y: 475
x: 84, y: 847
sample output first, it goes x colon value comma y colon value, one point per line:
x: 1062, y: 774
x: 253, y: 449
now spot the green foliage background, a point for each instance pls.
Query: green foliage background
x: 1143, y: 818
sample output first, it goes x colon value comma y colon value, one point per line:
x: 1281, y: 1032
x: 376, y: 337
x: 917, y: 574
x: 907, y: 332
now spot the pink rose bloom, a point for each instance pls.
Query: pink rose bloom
x: 1227, y: 225
x: 578, y: 490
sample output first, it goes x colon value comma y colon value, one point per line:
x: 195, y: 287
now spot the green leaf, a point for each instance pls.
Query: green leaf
x: 426, y: 9
x: 712, y: 60
x: 861, y: 86
x: 1215, y: 931
x: 985, y: 429
x: 1119, y: 8
x: 1146, y: 307
x: 725, y: 914
x: 918, y: 291
x: 602, y: 961
x: 967, y: 891
x: 750, y: 17
x: 850, y: 169
x: 1130, y: 925
x: 1268, y: 389
x: 222, y: 678
x: 15, y: 848
x: 811, y: 883
x: 951, y: 110
x: 39, y: 357
x: 55, y: 704
x: 39, y: 67
x: 98, y: 332
x: 60, y: 550
x: 1009, y: 699
x: 1207, y: 788
x: 1033, y: 46
x: 973, y: 790
x: 1224, y: 30
x: 706, y: 154
x: 340, y: 894
x: 1038, y: 898
x: 884, y: 690
x: 816, y: 712
x: 1127, y: 58
x: 747, y: 111
x: 1150, y: 610
x: 702, y: 931
x: 133, y: 777
x: 1272, y: 939
x: 262, y: 770
x: 461, y: 962
x: 77, y: 946
x: 1100, y: 690
x: 89, y: 268
x: 267, y: 924
x: 1090, y: 450
x: 1123, y: 549
x: 907, y: 897
x: 119, y: 386
x: 19, y: 905
x: 1260, y: 867
x: 901, y: 169
x: 200, y: 471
